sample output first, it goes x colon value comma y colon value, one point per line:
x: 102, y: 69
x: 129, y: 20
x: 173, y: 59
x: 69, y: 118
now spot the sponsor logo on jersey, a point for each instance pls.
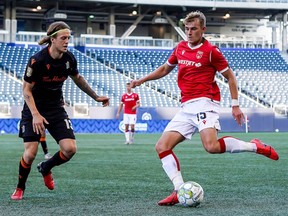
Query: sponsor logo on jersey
x: 33, y: 61
x: 129, y: 99
x: 53, y: 79
x: 189, y: 63
x: 186, y: 62
x: 67, y: 65
x: 199, y: 54
x: 29, y: 71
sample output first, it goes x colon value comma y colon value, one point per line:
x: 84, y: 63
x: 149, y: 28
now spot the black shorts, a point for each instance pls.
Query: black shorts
x: 59, y: 127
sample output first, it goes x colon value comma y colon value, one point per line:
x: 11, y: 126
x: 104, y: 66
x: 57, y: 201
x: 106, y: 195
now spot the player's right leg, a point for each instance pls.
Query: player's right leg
x: 127, y: 134
x: 170, y: 163
x: 24, y: 168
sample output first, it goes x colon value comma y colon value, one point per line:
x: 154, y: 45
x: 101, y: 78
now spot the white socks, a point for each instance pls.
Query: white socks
x: 171, y: 166
x: 234, y: 145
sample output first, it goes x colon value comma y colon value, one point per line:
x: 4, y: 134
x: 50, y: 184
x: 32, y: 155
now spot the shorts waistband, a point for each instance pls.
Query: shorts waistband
x: 202, y: 98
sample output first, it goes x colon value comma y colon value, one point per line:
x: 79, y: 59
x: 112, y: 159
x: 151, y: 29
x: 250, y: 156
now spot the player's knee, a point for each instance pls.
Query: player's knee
x: 71, y: 151
x: 29, y: 156
x: 211, y: 147
x: 160, y: 147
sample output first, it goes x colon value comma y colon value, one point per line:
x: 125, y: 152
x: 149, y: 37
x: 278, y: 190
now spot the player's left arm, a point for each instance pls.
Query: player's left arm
x: 137, y: 105
x: 232, y: 82
x: 85, y: 87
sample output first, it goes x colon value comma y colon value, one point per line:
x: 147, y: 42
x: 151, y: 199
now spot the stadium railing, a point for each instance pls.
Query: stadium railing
x: 108, y: 40
x: 91, y: 40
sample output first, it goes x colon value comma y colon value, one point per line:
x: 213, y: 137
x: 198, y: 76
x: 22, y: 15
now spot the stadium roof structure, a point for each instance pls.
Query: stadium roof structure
x: 79, y: 11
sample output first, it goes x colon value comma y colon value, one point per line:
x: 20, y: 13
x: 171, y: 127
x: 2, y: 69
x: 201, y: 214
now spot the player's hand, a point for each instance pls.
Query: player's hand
x: 104, y: 100
x: 38, y: 123
x: 117, y: 115
x: 135, y: 83
x: 238, y: 115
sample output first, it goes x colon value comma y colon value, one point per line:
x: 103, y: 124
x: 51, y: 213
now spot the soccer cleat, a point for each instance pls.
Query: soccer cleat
x: 48, y: 178
x: 47, y: 156
x: 18, y: 194
x: 127, y: 142
x: 170, y: 200
x: 265, y: 150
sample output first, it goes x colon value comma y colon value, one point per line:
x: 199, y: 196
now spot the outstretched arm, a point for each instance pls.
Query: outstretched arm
x: 160, y: 72
x: 236, y: 111
x: 84, y: 86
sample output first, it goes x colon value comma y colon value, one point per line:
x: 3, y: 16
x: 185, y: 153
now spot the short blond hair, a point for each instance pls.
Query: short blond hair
x: 195, y: 15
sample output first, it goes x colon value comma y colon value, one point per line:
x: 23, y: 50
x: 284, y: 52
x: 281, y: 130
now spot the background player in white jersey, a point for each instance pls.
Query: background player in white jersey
x: 130, y: 100
x: 198, y: 61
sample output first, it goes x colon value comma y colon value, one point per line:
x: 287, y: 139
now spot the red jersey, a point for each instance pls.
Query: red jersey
x: 197, y: 67
x: 129, y: 101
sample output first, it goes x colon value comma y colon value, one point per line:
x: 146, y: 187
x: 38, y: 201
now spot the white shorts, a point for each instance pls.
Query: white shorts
x: 129, y: 118
x: 195, y: 116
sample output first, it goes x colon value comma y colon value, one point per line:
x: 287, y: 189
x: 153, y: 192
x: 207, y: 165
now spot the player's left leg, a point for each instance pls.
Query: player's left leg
x: 234, y: 145
x: 67, y: 150
x: 132, y: 122
x: 208, y: 125
x: 132, y: 133
x: 63, y: 134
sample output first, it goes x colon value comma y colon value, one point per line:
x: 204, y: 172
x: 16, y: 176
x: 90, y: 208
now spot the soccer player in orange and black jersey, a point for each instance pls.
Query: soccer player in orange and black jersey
x: 45, y: 74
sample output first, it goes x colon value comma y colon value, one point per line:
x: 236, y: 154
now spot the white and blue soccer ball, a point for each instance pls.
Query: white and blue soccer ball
x: 190, y: 194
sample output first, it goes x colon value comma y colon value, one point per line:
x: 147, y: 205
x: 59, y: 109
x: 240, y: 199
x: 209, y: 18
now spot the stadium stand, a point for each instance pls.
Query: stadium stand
x: 261, y: 75
x: 135, y: 63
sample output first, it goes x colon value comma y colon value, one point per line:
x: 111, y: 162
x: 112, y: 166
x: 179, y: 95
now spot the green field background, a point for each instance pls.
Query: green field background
x: 107, y: 177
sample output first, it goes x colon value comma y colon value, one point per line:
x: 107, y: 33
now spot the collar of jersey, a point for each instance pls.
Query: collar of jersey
x: 195, y: 47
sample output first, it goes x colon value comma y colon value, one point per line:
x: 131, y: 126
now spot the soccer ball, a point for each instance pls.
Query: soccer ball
x: 190, y: 194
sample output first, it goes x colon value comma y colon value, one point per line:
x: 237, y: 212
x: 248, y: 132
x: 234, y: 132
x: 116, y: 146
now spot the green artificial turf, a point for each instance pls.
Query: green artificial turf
x: 107, y: 177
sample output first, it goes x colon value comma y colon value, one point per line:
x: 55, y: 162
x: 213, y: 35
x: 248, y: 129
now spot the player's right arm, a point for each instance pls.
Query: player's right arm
x: 160, y: 72
x: 119, y: 110
x: 38, y: 119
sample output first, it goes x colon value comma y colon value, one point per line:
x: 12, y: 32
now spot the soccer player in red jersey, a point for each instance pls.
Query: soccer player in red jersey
x: 198, y: 61
x: 130, y: 100
x: 45, y: 74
